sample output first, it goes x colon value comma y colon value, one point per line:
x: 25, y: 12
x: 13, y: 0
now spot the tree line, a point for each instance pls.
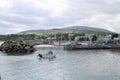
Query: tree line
x: 58, y: 36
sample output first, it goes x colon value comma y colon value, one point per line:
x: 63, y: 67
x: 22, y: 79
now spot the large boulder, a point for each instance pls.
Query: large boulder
x: 17, y: 47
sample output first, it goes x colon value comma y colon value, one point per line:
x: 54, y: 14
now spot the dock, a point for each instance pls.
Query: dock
x: 89, y: 47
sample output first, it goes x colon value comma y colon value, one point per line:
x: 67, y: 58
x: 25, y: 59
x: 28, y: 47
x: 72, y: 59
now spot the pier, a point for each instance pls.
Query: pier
x: 88, y: 47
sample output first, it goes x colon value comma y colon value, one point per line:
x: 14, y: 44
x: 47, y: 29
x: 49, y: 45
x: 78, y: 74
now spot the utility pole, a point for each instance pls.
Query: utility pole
x: 69, y: 36
x: 0, y: 77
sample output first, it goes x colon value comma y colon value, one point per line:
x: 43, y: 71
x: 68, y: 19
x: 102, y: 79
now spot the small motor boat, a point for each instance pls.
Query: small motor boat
x: 48, y: 55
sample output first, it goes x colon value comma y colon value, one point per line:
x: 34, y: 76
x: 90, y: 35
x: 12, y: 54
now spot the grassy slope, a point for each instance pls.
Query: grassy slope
x: 67, y: 30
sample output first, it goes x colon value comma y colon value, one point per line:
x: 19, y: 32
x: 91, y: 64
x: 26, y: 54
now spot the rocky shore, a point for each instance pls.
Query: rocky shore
x: 17, y: 47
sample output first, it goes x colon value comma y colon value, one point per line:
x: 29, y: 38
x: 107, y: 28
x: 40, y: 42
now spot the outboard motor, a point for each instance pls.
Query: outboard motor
x: 50, y: 52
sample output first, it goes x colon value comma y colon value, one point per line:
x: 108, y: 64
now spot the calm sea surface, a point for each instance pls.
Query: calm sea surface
x: 69, y: 65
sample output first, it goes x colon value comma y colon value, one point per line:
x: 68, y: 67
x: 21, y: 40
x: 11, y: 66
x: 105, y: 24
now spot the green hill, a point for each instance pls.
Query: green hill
x: 73, y: 29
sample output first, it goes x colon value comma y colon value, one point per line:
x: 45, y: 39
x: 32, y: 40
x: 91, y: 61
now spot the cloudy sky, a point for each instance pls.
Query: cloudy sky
x: 21, y: 15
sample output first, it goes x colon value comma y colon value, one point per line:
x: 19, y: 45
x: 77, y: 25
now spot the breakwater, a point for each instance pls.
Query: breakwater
x: 17, y: 47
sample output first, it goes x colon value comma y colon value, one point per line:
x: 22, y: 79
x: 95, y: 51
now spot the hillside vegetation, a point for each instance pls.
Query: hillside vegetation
x: 73, y: 29
x: 58, y: 33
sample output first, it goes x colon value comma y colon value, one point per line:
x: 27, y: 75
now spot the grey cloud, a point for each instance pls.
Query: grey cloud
x: 106, y: 6
x: 78, y: 12
x: 19, y: 20
x: 29, y: 9
x: 96, y: 2
x: 112, y: 8
x: 2, y: 26
x: 54, y: 21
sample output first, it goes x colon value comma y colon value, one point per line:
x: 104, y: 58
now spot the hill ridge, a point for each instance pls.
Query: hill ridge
x: 83, y: 29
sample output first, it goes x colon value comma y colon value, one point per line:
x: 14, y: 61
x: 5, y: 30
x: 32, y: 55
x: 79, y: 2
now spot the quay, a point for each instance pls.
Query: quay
x: 84, y: 42
x: 70, y: 47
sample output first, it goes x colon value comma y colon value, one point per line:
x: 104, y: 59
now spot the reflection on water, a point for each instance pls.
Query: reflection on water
x: 69, y: 65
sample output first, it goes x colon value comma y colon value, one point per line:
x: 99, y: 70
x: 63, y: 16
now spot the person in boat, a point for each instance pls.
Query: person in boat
x: 50, y: 52
x: 40, y: 55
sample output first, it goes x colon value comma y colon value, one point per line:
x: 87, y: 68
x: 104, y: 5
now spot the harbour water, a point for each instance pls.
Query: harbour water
x: 68, y: 65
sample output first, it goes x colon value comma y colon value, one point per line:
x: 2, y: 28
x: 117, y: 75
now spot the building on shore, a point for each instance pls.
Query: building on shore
x: 84, y: 42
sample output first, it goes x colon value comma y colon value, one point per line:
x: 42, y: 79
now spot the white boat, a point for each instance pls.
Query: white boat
x: 44, y: 46
x: 61, y: 43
